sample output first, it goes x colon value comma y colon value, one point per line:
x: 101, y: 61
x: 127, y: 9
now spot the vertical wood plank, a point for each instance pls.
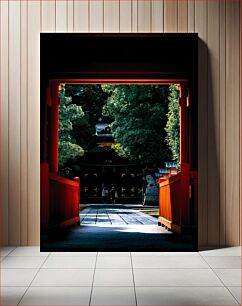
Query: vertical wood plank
x: 125, y: 16
x: 23, y: 122
x: 111, y: 16
x: 157, y: 16
x: 240, y: 127
x: 14, y: 122
x: 96, y: 15
x: 191, y: 15
x: 4, y: 124
x: 61, y: 15
x: 134, y: 18
x: 183, y: 15
x: 201, y: 28
x: 213, y: 175
x: 48, y: 16
x: 81, y: 16
x: 144, y: 16
x: 232, y: 122
x: 222, y: 156
x: 33, y: 122
x: 70, y: 16
x: 171, y: 15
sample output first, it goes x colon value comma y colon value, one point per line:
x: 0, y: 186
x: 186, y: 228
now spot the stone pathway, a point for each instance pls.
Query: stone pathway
x: 116, y: 215
x: 116, y: 228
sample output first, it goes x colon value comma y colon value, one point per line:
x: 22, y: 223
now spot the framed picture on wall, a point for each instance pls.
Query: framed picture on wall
x: 119, y: 154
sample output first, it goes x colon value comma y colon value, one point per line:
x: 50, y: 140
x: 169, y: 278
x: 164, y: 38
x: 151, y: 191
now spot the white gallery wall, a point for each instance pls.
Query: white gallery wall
x: 218, y: 25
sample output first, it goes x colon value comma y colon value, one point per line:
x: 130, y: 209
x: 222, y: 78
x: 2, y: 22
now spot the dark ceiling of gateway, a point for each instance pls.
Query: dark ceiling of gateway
x: 74, y: 55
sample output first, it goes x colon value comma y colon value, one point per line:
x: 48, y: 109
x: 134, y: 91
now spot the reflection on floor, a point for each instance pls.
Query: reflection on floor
x: 117, y: 228
x: 30, y: 277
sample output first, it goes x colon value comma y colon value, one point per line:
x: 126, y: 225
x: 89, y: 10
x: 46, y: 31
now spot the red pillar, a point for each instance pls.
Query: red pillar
x: 44, y: 196
x: 183, y: 125
x: 54, y: 128
x: 45, y: 135
x: 184, y: 149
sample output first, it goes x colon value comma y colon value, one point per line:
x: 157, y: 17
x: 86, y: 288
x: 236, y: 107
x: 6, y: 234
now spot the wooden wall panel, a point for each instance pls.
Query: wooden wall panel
x: 134, y: 20
x: 61, y: 16
x: 23, y: 122
x: 81, y: 16
x: 191, y: 15
x: 222, y: 129
x: 232, y: 122
x: 144, y: 16
x: 111, y: 16
x: 171, y: 15
x: 48, y: 15
x: 217, y: 23
x: 183, y: 15
x: 96, y: 16
x: 70, y: 16
x: 125, y: 16
x: 14, y: 121
x: 4, y: 113
x: 240, y: 124
x: 157, y: 13
x: 201, y: 28
x: 213, y: 174
x: 33, y: 131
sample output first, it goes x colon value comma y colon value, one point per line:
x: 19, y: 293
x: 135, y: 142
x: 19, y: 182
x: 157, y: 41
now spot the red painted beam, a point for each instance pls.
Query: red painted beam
x: 54, y: 124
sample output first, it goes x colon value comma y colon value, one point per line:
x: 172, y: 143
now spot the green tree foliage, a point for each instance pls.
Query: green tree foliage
x: 70, y: 115
x: 173, y: 123
x: 139, y: 119
x: 91, y: 98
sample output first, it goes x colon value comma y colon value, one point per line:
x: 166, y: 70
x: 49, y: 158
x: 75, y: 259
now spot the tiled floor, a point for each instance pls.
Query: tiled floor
x: 29, y: 277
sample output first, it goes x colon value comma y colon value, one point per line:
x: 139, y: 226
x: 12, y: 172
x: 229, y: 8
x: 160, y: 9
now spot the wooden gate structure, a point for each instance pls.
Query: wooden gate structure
x: 136, y: 58
x: 178, y: 194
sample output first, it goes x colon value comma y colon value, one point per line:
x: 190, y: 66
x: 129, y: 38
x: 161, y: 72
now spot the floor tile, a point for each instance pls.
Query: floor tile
x: 4, y: 251
x: 28, y: 251
x: 57, y: 296
x: 11, y: 295
x: 176, y: 277
x: 236, y: 292
x: 230, y: 277
x: 169, y: 262
x: 113, y: 296
x: 23, y: 262
x: 17, y: 277
x: 64, y: 277
x: 113, y: 277
x: 114, y: 262
x: 73, y: 254
x: 162, y: 254
x: 232, y: 262
x: 184, y: 296
x: 114, y: 254
x: 230, y: 251
x: 70, y: 262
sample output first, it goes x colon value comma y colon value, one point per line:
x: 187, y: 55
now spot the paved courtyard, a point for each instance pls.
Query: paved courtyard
x: 116, y: 215
x: 116, y: 228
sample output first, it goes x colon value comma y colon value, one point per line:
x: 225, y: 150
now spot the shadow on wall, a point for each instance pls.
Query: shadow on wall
x: 208, y: 149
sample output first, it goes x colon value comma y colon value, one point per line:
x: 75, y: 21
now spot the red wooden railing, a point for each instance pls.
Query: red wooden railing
x: 169, y: 202
x: 177, y: 211
x: 64, y: 199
